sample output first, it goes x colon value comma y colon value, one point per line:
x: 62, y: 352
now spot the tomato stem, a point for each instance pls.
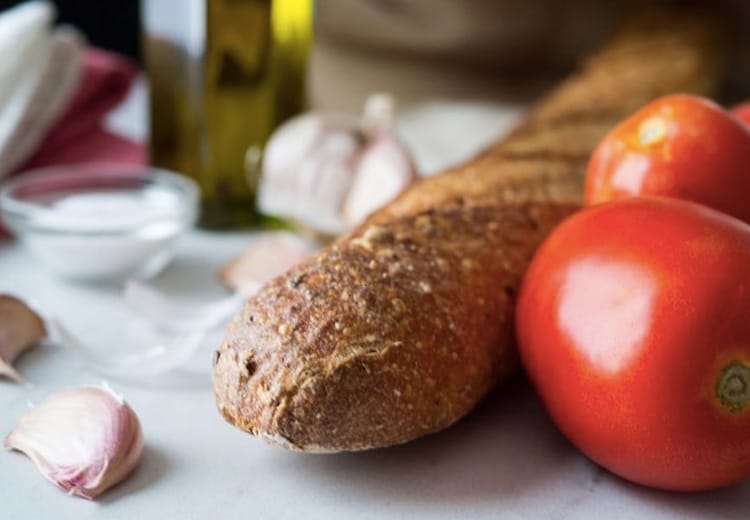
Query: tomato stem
x: 733, y: 386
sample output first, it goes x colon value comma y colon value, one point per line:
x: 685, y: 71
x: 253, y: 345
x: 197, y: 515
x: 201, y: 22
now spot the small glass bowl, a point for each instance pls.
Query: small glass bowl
x: 100, y: 221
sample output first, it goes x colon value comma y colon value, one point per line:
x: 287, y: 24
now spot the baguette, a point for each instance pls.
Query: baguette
x: 398, y: 329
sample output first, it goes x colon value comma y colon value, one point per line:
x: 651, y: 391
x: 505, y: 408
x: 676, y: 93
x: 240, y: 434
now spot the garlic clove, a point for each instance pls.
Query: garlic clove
x: 84, y: 440
x: 281, y: 161
x: 383, y: 172
x: 323, y: 182
x: 378, y: 114
x: 266, y: 257
x: 20, y: 328
x: 298, y: 180
x: 327, y: 172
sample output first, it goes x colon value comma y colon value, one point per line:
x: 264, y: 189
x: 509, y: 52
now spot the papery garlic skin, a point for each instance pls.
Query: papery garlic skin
x: 84, y: 440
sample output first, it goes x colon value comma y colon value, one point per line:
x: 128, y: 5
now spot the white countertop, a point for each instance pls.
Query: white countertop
x: 505, y: 460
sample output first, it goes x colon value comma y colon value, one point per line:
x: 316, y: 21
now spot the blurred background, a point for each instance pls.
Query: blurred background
x: 204, y: 83
x: 491, y: 49
x: 112, y: 24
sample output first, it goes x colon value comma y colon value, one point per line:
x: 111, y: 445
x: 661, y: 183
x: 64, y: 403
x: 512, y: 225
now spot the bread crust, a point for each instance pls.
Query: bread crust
x: 398, y: 329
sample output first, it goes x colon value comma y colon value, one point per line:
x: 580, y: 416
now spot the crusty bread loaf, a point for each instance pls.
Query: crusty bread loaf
x: 398, y: 329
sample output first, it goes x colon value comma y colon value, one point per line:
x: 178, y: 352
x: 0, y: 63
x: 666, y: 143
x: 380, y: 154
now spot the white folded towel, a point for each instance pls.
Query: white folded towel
x: 39, y: 73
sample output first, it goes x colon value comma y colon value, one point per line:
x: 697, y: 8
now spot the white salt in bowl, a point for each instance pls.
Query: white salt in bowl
x: 100, y: 221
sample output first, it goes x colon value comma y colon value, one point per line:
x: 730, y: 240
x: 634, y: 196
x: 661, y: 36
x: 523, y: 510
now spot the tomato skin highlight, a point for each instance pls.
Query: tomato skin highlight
x: 627, y: 319
x: 679, y: 146
x: 742, y: 112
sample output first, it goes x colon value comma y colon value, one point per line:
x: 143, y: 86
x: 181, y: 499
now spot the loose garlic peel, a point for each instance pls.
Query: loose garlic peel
x: 328, y: 172
x: 84, y: 440
x: 20, y: 328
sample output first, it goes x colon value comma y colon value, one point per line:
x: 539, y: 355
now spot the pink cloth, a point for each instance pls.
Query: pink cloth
x: 79, y: 135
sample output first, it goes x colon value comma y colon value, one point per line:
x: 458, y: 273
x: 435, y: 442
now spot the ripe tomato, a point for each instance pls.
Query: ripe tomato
x: 633, y: 326
x: 742, y: 112
x: 678, y: 146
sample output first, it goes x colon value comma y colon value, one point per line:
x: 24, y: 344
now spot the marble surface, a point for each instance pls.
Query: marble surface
x: 505, y: 460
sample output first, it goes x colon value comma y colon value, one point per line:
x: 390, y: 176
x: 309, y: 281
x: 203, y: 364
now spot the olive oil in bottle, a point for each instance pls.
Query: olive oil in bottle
x: 223, y: 75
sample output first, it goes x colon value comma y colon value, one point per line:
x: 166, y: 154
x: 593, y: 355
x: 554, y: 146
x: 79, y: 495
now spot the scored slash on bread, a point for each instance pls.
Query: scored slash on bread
x: 398, y: 329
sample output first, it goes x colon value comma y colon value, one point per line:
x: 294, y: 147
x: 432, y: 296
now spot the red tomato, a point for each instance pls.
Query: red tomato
x: 678, y: 146
x: 742, y: 112
x: 633, y: 326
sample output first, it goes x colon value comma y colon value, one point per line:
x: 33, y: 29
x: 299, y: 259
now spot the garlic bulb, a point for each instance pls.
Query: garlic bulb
x: 328, y: 172
x: 84, y: 440
x: 20, y: 328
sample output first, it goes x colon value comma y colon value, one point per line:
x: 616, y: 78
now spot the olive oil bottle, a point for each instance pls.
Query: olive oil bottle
x: 223, y: 74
